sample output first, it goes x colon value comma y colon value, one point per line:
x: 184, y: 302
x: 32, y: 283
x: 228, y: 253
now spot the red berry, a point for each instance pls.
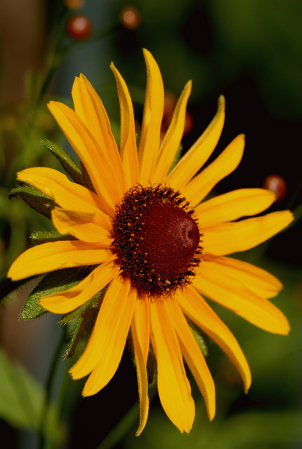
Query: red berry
x: 78, y: 27
x: 130, y: 18
x: 277, y: 185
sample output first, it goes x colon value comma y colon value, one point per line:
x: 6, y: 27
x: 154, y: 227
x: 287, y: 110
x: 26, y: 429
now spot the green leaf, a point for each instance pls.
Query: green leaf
x: 21, y: 399
x: 200, y: 337
x: 87, y: 179
x: 40, y: 237
x: 36, y: 199
x: 176, y: 158
x: 151, y: 367
x: 68, y: 164
x: 83, y: 328
x: 7, y: 286
x: 54, y: 282
x: 84, y: 317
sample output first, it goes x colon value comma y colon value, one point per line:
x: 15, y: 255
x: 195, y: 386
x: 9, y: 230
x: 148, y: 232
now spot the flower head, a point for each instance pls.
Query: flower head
x: 146, y: 232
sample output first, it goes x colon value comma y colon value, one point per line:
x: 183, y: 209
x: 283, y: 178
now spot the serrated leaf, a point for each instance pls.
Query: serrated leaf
x: 54, y: 282
x: 21, y: 400
x: 68, y: 164
x: 40, y: 237
x: 34, y: 198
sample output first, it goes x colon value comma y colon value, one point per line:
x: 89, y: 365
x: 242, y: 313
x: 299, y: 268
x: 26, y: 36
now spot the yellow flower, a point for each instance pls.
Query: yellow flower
x: 157, y: 244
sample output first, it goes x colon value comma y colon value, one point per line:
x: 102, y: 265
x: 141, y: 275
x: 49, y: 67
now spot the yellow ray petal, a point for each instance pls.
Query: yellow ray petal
x: 214, y: 282
x: 173, y: 137
x: 111, y: 339
x: 89, y: 107
x: 233, y: 205
x: 255, y: 279
x: 193, y: 356
x: 67, y: 194
x: 152, y: 118
x: 173, y: 386
x: 68, y: 300
x: 229, y: 238
x: 199, y: 153
x: 140, y: 338
x: 81, y: 225
x: 110, y: 330
x: 223, y: 165
x: 56, y: 255
x: 142, y: 323
x: 128, y: 137
x: 195, y: 307
x: 100, y: 170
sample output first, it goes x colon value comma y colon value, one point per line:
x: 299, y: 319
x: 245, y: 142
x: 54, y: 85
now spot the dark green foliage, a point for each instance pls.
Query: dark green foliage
x: 54, y: 282
x: 68, y: 164
x: 87, y: 178
x: 34, y: 198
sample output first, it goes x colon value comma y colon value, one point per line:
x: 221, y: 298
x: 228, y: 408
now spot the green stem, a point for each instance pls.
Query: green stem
x: 49, y: 384
x: 124, y: 424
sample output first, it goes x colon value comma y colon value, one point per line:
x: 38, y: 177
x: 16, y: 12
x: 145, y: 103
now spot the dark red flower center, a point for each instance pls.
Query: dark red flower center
x: 156, y: 239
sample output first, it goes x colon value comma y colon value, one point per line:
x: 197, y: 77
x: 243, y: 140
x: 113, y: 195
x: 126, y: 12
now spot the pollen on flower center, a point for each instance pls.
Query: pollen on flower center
x: 156, y: 239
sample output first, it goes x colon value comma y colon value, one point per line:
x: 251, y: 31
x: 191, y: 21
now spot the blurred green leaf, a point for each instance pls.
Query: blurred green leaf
x: 259, y: 429
x: 21, y: 399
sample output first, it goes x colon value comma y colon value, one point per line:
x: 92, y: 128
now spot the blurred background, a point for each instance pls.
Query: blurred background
x: 251, y: 52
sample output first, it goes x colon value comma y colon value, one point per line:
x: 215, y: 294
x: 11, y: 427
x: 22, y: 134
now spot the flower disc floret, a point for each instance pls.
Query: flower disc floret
x: 156, y: 239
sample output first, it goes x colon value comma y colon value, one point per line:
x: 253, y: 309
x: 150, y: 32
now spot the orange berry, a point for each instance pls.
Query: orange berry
x: 130, y: 18
x: 277, y: 185
x: 78, y: 27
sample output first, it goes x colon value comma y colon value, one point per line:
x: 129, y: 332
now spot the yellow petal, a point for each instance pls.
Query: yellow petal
x: 199, y: 153
x: 142, y: 323
x: 89, y: 107
x: 56, y: 255
x: 128, y: 137
x: 68, y: 300
x: 152, y: 118
x: 173, y: 137
x: 223, y: 165
x: 111, y: 338
x: 193, y: 356
x: 256, y: 279
x: 214, y: 282
x: 108, y: 337
x: 99, y: 168
x: 81, y: 225
x: 173, y: 386
x: 230, y: 238
x: 195, y: 307
x: 139, y: 334
x: 67, y: 194
x: 233, y: 205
